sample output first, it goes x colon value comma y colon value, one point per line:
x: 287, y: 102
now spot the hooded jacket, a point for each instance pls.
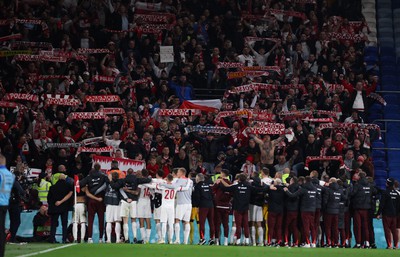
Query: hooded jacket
x: 308, y: 197
x: 361, y: 196
x: 332, y: 198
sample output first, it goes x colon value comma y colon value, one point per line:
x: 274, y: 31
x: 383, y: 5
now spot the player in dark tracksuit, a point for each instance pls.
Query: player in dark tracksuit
x: 318, y: 205
x: 308, y: 195
x: 389, y: 210
x: 342, y: 210
x: 292, y: 208
x: 361, y: 200
x: 241, y: 199
x: 96, y: 183
x: 203, y: 198
x: 332, y: 197
x: 222, y: 203
x: 275, y: 213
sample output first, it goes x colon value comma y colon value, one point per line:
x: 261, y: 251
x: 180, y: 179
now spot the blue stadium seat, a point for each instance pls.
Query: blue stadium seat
x: 389, y: 80
x: 389, y: 108
x: 378, y: 155
x: 391, y: 99
x: 387, y: 51
x: 390, y: 87
x: 380, y: 183
x: 379, y: 173
x: 381, y: 165
x: 377, y: 144
x: 388, y: 60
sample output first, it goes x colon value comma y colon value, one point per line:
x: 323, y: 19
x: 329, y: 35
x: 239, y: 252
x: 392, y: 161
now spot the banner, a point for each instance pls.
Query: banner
x: 35, y: 58
x: 94, y: 140
x: 93, y: 51
x: 322, y: 120
x: 378, y: 98
x: 153, y: 28
x: 123, y: 164
x: 229, y: 65
x: 29, y: 44
x: 209, y: 129
x: 13, y: 105
x: 112, y: 111
x: 338, y: 158
x: 88, y: 115
x: 61, y: 145
x: 153, y: 18
x: 103, y: 79
x: 262, y: 68
x: 30, y: 173
x: 255, y: 39
x: 62, y: 102
x: 179, y: 112
x: 20, y: 96
x: 288, y: 13
x: 102, y: 98
x: 346, y: 36
x: 241, y: 74
x: 84, y: 149
x: 10, y: 37
x: 266, y: 128
x: 166, y: 54
x: 12, y: 53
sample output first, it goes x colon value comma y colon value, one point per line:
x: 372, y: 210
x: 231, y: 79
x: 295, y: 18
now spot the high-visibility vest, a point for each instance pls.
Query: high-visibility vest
x: 43, y: 190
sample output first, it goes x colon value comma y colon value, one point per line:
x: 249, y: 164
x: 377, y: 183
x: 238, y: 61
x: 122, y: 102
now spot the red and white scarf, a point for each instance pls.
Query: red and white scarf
x: 338, y: 158
x: 179, y: 112
x: 21, y: 96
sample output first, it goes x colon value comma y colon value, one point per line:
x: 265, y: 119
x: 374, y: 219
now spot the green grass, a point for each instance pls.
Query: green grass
x: 124, y: 250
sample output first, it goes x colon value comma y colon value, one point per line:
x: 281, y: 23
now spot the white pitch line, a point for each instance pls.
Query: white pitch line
x: 46, y: 251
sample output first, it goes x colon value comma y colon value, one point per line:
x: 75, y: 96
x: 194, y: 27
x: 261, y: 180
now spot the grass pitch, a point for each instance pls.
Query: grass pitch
x: 154, y: 250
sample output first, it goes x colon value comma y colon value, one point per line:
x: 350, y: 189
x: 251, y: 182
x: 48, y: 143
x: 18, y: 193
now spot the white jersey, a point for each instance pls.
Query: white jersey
x: 168, y: 197
x: 267, y: 180
x: 184, y: 196
x: 145, y: 195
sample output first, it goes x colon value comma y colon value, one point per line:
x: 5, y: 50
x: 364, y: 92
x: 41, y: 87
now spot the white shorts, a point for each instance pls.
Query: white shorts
x: 128, y: 209
x: 255, y: 213
x: 144, y: 210
x: 79, y: 215
x: 183, y: 212
x: 167, y: 214
x: 113, y: 213
x: 157, y: 213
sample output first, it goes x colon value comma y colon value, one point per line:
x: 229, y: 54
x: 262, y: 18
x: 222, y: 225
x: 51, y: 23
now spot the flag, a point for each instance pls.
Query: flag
x: 77, y: 186
x: 211, y: 105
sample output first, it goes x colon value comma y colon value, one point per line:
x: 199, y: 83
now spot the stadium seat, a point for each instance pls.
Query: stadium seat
x: 380, y: 183
x: 380, y: 173
x: 390, y: 87
x: 391, y: 99
x: 377, y: 144
x: 381, y: 165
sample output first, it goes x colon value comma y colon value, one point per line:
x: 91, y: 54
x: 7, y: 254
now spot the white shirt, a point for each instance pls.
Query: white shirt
x: 358, y: 102
x: 246, y: 58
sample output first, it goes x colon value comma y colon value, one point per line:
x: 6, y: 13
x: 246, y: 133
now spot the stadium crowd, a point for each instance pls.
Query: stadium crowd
x: 87, y: 80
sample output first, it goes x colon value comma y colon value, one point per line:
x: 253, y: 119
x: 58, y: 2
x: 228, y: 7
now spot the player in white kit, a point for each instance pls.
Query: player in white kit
x: 183, y: 206
x: 144, y: 207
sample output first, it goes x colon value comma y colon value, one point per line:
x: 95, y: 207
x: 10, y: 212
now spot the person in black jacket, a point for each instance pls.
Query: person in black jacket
x: 276, y: 199
x: 389, y: 210
x: 343, y: 205
x: 332, y: 198
x: 292, y: 208
x: 318, y: 205
x: 96, y: 183
x: 241, y: 200
x: 210, y: 147
x: 128, y: 188
x: 14, y: 209
x: 361, y: 199
x: 59, y: 203
x: 203, y: 198
x: 308, y: 194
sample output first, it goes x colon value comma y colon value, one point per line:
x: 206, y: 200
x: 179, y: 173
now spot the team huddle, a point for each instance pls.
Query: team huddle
x: 280, y: 211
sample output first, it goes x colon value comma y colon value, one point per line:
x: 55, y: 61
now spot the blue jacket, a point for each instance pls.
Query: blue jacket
x: 6, y: 184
